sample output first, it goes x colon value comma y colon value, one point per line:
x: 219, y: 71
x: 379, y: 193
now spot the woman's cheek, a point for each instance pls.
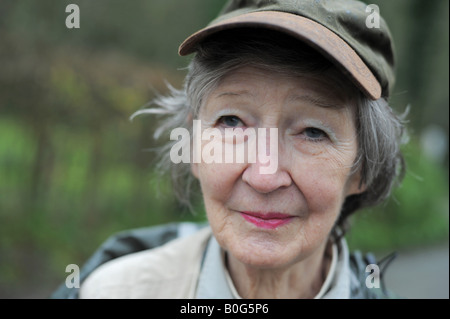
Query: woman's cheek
x: 322, y: 179
x: 217, y: 179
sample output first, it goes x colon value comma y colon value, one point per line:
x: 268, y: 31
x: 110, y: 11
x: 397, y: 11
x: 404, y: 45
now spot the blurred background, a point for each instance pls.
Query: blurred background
x: 74, y: 169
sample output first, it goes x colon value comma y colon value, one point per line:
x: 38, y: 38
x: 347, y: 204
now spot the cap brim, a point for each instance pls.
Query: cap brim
x: 311, y: 32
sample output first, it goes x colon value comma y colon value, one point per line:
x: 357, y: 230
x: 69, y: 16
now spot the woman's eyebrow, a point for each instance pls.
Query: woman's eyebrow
x: 234, y: 93
x: 315, y: 100
x: 324, y: 103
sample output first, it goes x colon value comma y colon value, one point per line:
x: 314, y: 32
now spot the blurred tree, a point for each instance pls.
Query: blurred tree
x: 421, y: 32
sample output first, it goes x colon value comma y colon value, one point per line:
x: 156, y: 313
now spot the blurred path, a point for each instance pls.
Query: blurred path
x: 422, y: 273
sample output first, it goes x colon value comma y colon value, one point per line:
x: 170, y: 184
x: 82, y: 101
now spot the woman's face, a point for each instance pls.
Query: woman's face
x: 275, y: 220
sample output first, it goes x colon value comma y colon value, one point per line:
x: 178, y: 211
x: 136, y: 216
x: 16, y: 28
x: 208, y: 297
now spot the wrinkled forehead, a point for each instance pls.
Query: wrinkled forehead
x: 328, y: 89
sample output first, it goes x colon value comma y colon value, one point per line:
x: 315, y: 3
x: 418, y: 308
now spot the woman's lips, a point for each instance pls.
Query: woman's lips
x: 267, y: 221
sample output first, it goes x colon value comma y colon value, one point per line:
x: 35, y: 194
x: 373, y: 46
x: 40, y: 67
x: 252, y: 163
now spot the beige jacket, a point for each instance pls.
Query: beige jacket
x: 169, y: 271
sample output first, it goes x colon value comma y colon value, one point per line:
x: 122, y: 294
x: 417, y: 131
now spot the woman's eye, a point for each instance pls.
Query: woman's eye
x: 230, y: 121
x: 314, y: 133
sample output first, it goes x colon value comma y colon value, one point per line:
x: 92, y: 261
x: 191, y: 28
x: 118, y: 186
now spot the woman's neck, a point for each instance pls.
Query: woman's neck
x: 302, y: 279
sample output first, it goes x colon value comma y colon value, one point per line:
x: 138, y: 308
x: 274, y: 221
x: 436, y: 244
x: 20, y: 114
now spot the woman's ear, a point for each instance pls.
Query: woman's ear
x: 194, y: 166
x: 194, y: 169
x: 189, y: 118
x: 355, y: 185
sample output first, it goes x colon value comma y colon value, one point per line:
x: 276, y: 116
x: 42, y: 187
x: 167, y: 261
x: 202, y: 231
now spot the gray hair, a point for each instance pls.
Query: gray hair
x: 380, y: 131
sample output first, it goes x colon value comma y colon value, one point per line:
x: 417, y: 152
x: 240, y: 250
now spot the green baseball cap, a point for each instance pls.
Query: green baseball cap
x: 338, y: 29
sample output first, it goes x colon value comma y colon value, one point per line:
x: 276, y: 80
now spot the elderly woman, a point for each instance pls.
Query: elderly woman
x: 320, y: 75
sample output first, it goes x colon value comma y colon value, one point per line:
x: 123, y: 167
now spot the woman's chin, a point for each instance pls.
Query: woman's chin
x: 263, y: 255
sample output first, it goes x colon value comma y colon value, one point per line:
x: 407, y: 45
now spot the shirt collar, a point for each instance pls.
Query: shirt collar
x: 212, y: 283
x: 215, y: 281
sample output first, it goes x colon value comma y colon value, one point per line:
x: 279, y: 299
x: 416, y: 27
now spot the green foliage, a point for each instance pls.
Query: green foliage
x: 72, y: 166
x: 416, y: 214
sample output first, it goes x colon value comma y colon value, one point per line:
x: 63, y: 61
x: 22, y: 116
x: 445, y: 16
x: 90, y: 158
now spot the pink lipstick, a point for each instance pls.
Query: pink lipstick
x: 267, y: 221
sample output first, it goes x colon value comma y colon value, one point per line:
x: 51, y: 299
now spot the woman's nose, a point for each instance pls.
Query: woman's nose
x: 265, y: 183
x: 266, y: 174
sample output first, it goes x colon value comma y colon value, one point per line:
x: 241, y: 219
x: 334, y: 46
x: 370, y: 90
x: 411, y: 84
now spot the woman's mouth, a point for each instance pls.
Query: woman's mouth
x: 268, y: 220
